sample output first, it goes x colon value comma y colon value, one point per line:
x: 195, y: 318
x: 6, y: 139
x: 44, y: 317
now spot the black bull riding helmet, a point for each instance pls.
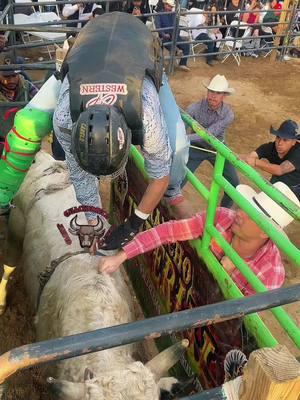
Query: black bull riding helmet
x: 101, y: 140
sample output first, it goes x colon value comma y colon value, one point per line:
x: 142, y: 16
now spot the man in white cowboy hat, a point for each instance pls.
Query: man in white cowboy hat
x: 250, y: 242
x: 280, y: 158
x: 166, y: 22
x: 215, y: 116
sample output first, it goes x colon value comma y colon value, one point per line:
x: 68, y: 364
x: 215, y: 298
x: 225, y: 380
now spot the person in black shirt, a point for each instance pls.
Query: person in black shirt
x: 280, y: 158
x: 138, y: 8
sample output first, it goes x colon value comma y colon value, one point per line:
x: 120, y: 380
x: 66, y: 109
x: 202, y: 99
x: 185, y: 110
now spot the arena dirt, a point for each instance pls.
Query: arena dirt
x: 266, y: 93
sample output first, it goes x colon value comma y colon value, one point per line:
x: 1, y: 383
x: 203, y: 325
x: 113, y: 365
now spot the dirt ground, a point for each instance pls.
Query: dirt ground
x: 266, y: 93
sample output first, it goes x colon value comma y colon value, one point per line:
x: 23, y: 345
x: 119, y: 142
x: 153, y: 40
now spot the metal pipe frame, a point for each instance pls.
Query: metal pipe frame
x: 101, y: 339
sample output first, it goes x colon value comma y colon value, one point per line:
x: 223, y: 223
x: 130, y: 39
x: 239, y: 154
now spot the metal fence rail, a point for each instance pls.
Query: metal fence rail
x: 151, y: 328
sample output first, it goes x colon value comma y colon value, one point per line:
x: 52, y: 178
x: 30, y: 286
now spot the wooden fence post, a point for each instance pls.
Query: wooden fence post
x: 271, y: 374
x: 284, y: 17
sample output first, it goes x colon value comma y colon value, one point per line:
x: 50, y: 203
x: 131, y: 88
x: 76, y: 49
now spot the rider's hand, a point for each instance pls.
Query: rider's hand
x: 123, y: 233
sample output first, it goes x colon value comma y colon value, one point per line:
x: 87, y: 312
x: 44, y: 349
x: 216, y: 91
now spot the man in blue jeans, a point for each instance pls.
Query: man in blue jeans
x: 215, y: 116
x: 167, y: 23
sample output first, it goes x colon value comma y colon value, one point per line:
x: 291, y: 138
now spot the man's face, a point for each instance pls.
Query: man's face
x: 215, y: 99
x: 245, y: 228
x: 167, y: 7
x: 10, y: 82
x: 283, y: 146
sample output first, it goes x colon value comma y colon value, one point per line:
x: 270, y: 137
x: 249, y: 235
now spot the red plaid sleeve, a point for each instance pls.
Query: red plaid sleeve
x: 168, y: 232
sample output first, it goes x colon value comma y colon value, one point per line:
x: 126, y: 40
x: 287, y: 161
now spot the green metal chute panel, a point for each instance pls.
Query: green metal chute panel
x: 22, y: 143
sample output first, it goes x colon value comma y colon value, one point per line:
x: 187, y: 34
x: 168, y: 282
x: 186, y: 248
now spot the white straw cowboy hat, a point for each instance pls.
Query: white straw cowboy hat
x: 170, y: 2
x: 267, y: 206
x: 219, y: 84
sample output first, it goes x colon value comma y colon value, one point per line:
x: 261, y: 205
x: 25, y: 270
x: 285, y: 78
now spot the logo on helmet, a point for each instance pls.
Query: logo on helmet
x: 107, y: 93
x: 82, y: 132
x: 121, y: 138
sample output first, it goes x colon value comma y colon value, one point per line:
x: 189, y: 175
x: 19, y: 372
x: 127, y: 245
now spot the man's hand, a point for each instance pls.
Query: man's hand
x: 251, y: 161
x: 110, y: 264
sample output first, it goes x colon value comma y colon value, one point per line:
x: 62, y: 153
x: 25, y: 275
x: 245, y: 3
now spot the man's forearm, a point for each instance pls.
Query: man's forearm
x: 266, y: 166
x: 153, y: 194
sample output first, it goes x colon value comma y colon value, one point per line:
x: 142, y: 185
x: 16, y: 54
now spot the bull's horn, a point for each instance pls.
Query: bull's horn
x: 160, y: 364
x: 73, y: 224
x: 99, y: 226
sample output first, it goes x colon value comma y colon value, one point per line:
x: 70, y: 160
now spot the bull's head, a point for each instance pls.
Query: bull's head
x: 133, y: 381
x: 87, y: 233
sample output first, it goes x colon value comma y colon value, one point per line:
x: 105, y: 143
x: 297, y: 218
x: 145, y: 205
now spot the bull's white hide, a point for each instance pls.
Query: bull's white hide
x: 76, y: 298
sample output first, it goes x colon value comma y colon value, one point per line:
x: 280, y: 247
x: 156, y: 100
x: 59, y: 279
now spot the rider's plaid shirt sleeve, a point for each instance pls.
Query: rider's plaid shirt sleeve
x: 175, y: 231
x: 266, y: 263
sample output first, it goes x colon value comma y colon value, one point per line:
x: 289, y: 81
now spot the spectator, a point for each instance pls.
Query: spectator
x: 80, y: 11
x: 280, y: 158
x: 215, y: 116
x: 13, y: 87
x: 252, y: 18
x: 249, y: 241
x: 202, y: 34
x: 167, y: 23
x: 233, y: 5
x: 214, y: 20
x: 138, y: 8
x: 272, y: 16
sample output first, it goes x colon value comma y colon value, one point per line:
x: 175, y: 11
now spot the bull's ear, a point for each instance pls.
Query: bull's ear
x: 88, y: 374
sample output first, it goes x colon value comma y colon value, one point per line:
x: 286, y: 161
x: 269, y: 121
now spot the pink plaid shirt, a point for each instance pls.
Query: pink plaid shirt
x: 265, y: 263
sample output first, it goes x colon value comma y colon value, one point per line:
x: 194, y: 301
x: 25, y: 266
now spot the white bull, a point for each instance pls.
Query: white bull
x: 77, y: 299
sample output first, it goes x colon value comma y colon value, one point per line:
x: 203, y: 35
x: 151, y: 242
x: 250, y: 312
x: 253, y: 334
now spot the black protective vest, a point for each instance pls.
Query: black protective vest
x: 107, y: 65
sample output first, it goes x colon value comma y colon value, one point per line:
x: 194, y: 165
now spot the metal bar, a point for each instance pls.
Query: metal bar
x: 31, y: 28
x: 10, y: 104
x: 212, y: 204
x: 174, y: 37
x: 4, y: 12
x: 33, y: 45
x: 42, y: 65
x: 84, y: 343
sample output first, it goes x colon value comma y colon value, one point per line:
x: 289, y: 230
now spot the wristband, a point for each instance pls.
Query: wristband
x: 140, y: 214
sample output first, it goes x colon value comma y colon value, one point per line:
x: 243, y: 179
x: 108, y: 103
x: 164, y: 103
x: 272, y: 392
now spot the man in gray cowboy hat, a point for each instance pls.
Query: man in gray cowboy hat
x: 280, y: 158
x: 215, y: 116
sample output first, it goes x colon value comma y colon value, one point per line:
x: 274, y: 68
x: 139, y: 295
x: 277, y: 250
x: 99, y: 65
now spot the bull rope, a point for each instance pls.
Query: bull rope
x: 45, y: 275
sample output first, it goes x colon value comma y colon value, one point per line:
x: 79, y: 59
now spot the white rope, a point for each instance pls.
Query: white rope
x: 202, y: 149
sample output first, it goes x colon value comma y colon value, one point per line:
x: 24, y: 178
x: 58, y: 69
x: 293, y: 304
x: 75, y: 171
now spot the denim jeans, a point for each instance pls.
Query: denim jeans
x: 178, y: 139
x: 211, y: 45
x: 185, y: 47
x: 196, y: 157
